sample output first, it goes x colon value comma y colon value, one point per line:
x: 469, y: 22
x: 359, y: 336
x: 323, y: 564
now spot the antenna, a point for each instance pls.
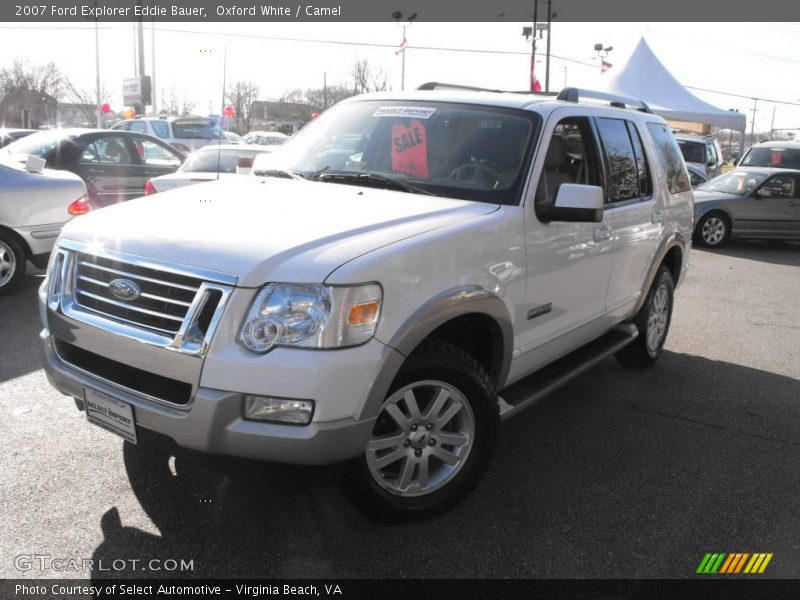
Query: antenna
x: 222, y: 109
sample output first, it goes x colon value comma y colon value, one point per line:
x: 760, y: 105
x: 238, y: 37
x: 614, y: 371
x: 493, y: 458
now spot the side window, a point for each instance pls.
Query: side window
x: 670, y: 157
x: 623, y: 180
x: 107, y: 150
x: 642, y: 164
x: 123, y: 126
x: 138, y: 127
x: 571, y: 158
x: 151, y: 153
x: 160, y: 128
x: 780, y: 186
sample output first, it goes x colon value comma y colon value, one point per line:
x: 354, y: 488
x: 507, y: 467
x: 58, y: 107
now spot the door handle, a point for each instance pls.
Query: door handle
x: 657, y: 216
x: 601, y: 234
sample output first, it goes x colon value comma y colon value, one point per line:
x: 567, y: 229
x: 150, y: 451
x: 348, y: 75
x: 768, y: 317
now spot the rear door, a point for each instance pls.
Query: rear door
x: 772, y: 209
x: 107, y: 166
x: 635, y: 219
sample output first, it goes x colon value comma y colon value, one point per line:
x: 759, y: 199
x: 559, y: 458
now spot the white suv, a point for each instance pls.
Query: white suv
x: 186, y: 134
x: 385, y: 302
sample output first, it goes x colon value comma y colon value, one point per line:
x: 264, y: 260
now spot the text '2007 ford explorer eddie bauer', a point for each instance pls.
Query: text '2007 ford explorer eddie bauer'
x: 408, y: 271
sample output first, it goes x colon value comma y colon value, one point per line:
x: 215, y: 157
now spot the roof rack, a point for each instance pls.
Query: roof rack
x: 438, y: 85
x: 572, y: 94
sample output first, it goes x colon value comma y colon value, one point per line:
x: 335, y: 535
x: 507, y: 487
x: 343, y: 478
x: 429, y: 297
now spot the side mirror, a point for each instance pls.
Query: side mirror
x: 575, y: 203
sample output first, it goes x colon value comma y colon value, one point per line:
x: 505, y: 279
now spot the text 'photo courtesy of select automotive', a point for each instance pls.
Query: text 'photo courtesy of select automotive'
x: 390, y: 299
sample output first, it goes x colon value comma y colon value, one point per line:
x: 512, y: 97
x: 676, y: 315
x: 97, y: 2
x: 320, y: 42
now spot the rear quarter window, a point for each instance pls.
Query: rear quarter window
x: 669, y: 155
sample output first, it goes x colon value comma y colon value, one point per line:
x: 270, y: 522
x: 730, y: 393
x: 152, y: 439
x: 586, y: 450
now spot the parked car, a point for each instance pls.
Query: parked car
x: 697, y: 175
x: 208, y: 164
x: 34, y: 205
x: 779, y: 155
x: 266, y: 138
x: 186, y: 134
x: 703, y: 153
x: 8, y: 136
x: 749, y: 202
x: 115, y: 165
x: 234, y: 138
x: 483, y: 249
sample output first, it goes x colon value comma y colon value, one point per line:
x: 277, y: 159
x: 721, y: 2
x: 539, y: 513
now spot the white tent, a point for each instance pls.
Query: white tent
x: 645, y: 77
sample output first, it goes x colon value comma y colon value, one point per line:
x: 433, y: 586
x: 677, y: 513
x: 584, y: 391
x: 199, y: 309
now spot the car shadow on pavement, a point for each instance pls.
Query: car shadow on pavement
x: 623, y: 473
x: 769, y: 251
x: 20, y: 327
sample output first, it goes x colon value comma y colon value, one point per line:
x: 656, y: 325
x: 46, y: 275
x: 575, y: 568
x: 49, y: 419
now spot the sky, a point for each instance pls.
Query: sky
x: 750, y: 59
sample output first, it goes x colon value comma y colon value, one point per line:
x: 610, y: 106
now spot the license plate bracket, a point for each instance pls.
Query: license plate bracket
x: 111, y: 414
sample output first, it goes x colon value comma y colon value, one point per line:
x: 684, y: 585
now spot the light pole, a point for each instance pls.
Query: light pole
x: 538, y: 28
x: 397, y: 15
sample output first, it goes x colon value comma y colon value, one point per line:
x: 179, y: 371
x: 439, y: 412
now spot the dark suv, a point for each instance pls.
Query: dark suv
x: 701, y: 153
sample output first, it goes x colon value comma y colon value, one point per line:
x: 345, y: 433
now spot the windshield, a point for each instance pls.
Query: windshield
x: 453, y: 150
x: 38, y: 144
x: 784, y: 158
x: 207, y: 159
x: 693, y: 151
x: 196, y: 130
x: 736, y: 182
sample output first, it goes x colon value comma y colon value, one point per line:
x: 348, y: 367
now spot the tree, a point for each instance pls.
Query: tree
x: 241, y: 96
x: 32, y: 91
x: 84, y: 101
x: 367, y: 79
x: 175, y: 104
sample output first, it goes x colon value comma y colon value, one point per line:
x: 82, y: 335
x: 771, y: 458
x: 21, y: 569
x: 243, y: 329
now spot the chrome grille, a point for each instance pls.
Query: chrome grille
x: 162, y: 305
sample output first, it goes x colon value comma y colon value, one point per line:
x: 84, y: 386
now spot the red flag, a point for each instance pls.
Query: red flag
x: 605, y: 66
x: 401, y: 49
x: 535, y: 85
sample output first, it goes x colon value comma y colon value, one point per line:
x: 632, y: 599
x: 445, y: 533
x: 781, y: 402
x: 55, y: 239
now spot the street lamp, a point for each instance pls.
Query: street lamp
x: 602, y: 54
x: 397, y: 15
x: 530, y: 32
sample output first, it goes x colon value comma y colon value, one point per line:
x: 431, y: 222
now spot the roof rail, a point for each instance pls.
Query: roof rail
x: 571, y: 94
x: 438, y: 85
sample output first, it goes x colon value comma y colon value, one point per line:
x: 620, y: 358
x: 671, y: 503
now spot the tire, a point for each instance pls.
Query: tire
x: 12, y: 263
x: 402, y: 475
x: 713, y: 230
x: 652, y: 321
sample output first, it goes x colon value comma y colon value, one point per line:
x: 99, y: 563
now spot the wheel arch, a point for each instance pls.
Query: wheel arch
x: 469, y: 317
x: 673, y: 254
x: 19, y: 239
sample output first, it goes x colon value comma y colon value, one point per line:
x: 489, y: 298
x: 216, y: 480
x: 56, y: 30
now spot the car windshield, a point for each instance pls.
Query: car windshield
x: 453, y: 150
x: 196, y: 130
x: 736, y: 182
x: 266, y: 140
x: 784, y: 158
x: 38, y: 144
x: 693, y: 151
x: 207, y: 159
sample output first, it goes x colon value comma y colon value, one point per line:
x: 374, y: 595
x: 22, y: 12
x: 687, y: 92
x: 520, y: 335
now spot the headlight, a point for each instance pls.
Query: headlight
x: 311, y: 316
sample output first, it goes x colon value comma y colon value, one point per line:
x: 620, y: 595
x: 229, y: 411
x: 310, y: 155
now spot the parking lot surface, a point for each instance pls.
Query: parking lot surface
x: 619, y: 474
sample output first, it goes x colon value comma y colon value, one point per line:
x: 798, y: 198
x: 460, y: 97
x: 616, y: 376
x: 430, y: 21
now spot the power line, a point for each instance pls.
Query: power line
x: 742, y: 96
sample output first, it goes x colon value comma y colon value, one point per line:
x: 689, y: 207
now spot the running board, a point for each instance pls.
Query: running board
x: 539, y: 384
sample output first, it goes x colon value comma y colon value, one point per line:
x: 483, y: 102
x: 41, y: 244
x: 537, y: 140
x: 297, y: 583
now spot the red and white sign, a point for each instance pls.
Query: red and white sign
x: 410, y: 149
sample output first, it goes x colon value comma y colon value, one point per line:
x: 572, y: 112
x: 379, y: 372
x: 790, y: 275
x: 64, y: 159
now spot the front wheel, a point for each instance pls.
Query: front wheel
x: 652, y: 321
x: 712, y: 230
x: 432, y: 440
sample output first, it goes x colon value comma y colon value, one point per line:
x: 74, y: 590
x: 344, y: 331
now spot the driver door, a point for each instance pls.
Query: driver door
x: 772, y: 208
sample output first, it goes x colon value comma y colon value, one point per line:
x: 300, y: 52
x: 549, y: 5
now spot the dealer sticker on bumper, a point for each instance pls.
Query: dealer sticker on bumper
x: 111, y: 414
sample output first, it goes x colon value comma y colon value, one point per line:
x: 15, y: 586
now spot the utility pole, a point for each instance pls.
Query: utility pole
x: 140, y: 39
x: 549, y: 35
x: 533, y: 44
x: 153, y: 66
x: 772, y: 125
x: 324, y: 90
x: 98, y: 113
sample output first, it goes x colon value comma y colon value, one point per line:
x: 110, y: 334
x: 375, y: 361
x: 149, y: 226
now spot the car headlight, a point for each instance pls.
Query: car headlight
x: 311, y: 316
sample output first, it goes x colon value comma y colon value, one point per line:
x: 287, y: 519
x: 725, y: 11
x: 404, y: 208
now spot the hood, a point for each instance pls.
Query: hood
x: 265, y: 230
x: 164, y: 183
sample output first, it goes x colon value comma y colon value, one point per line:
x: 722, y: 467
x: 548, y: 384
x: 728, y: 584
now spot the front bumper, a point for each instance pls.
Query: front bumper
x: 214, y: 422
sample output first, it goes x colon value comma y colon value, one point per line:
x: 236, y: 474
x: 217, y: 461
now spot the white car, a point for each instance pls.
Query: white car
x: 210, y: 163
x: 266, y: 138
x: 384, y: 304
x: 185, y: 134
x: 34, y: 205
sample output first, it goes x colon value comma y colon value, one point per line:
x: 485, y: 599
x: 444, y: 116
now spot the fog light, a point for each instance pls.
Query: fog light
x: 278, y: 410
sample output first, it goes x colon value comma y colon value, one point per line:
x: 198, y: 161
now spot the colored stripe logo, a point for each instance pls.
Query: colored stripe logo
x: 733, y: 563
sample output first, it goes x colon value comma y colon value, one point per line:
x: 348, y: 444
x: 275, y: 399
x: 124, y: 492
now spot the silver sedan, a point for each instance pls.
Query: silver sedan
x: 34, y: 205
x: 749, y: 202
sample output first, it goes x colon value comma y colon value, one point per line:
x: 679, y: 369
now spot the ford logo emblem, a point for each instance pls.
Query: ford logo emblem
x: 124, y: 289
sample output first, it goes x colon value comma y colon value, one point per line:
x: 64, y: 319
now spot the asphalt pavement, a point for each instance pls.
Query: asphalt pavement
x: 620, y: 474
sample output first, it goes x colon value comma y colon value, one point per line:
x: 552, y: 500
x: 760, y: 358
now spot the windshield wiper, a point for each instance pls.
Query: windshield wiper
x: 283, y: 173
x: 369, y: 180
